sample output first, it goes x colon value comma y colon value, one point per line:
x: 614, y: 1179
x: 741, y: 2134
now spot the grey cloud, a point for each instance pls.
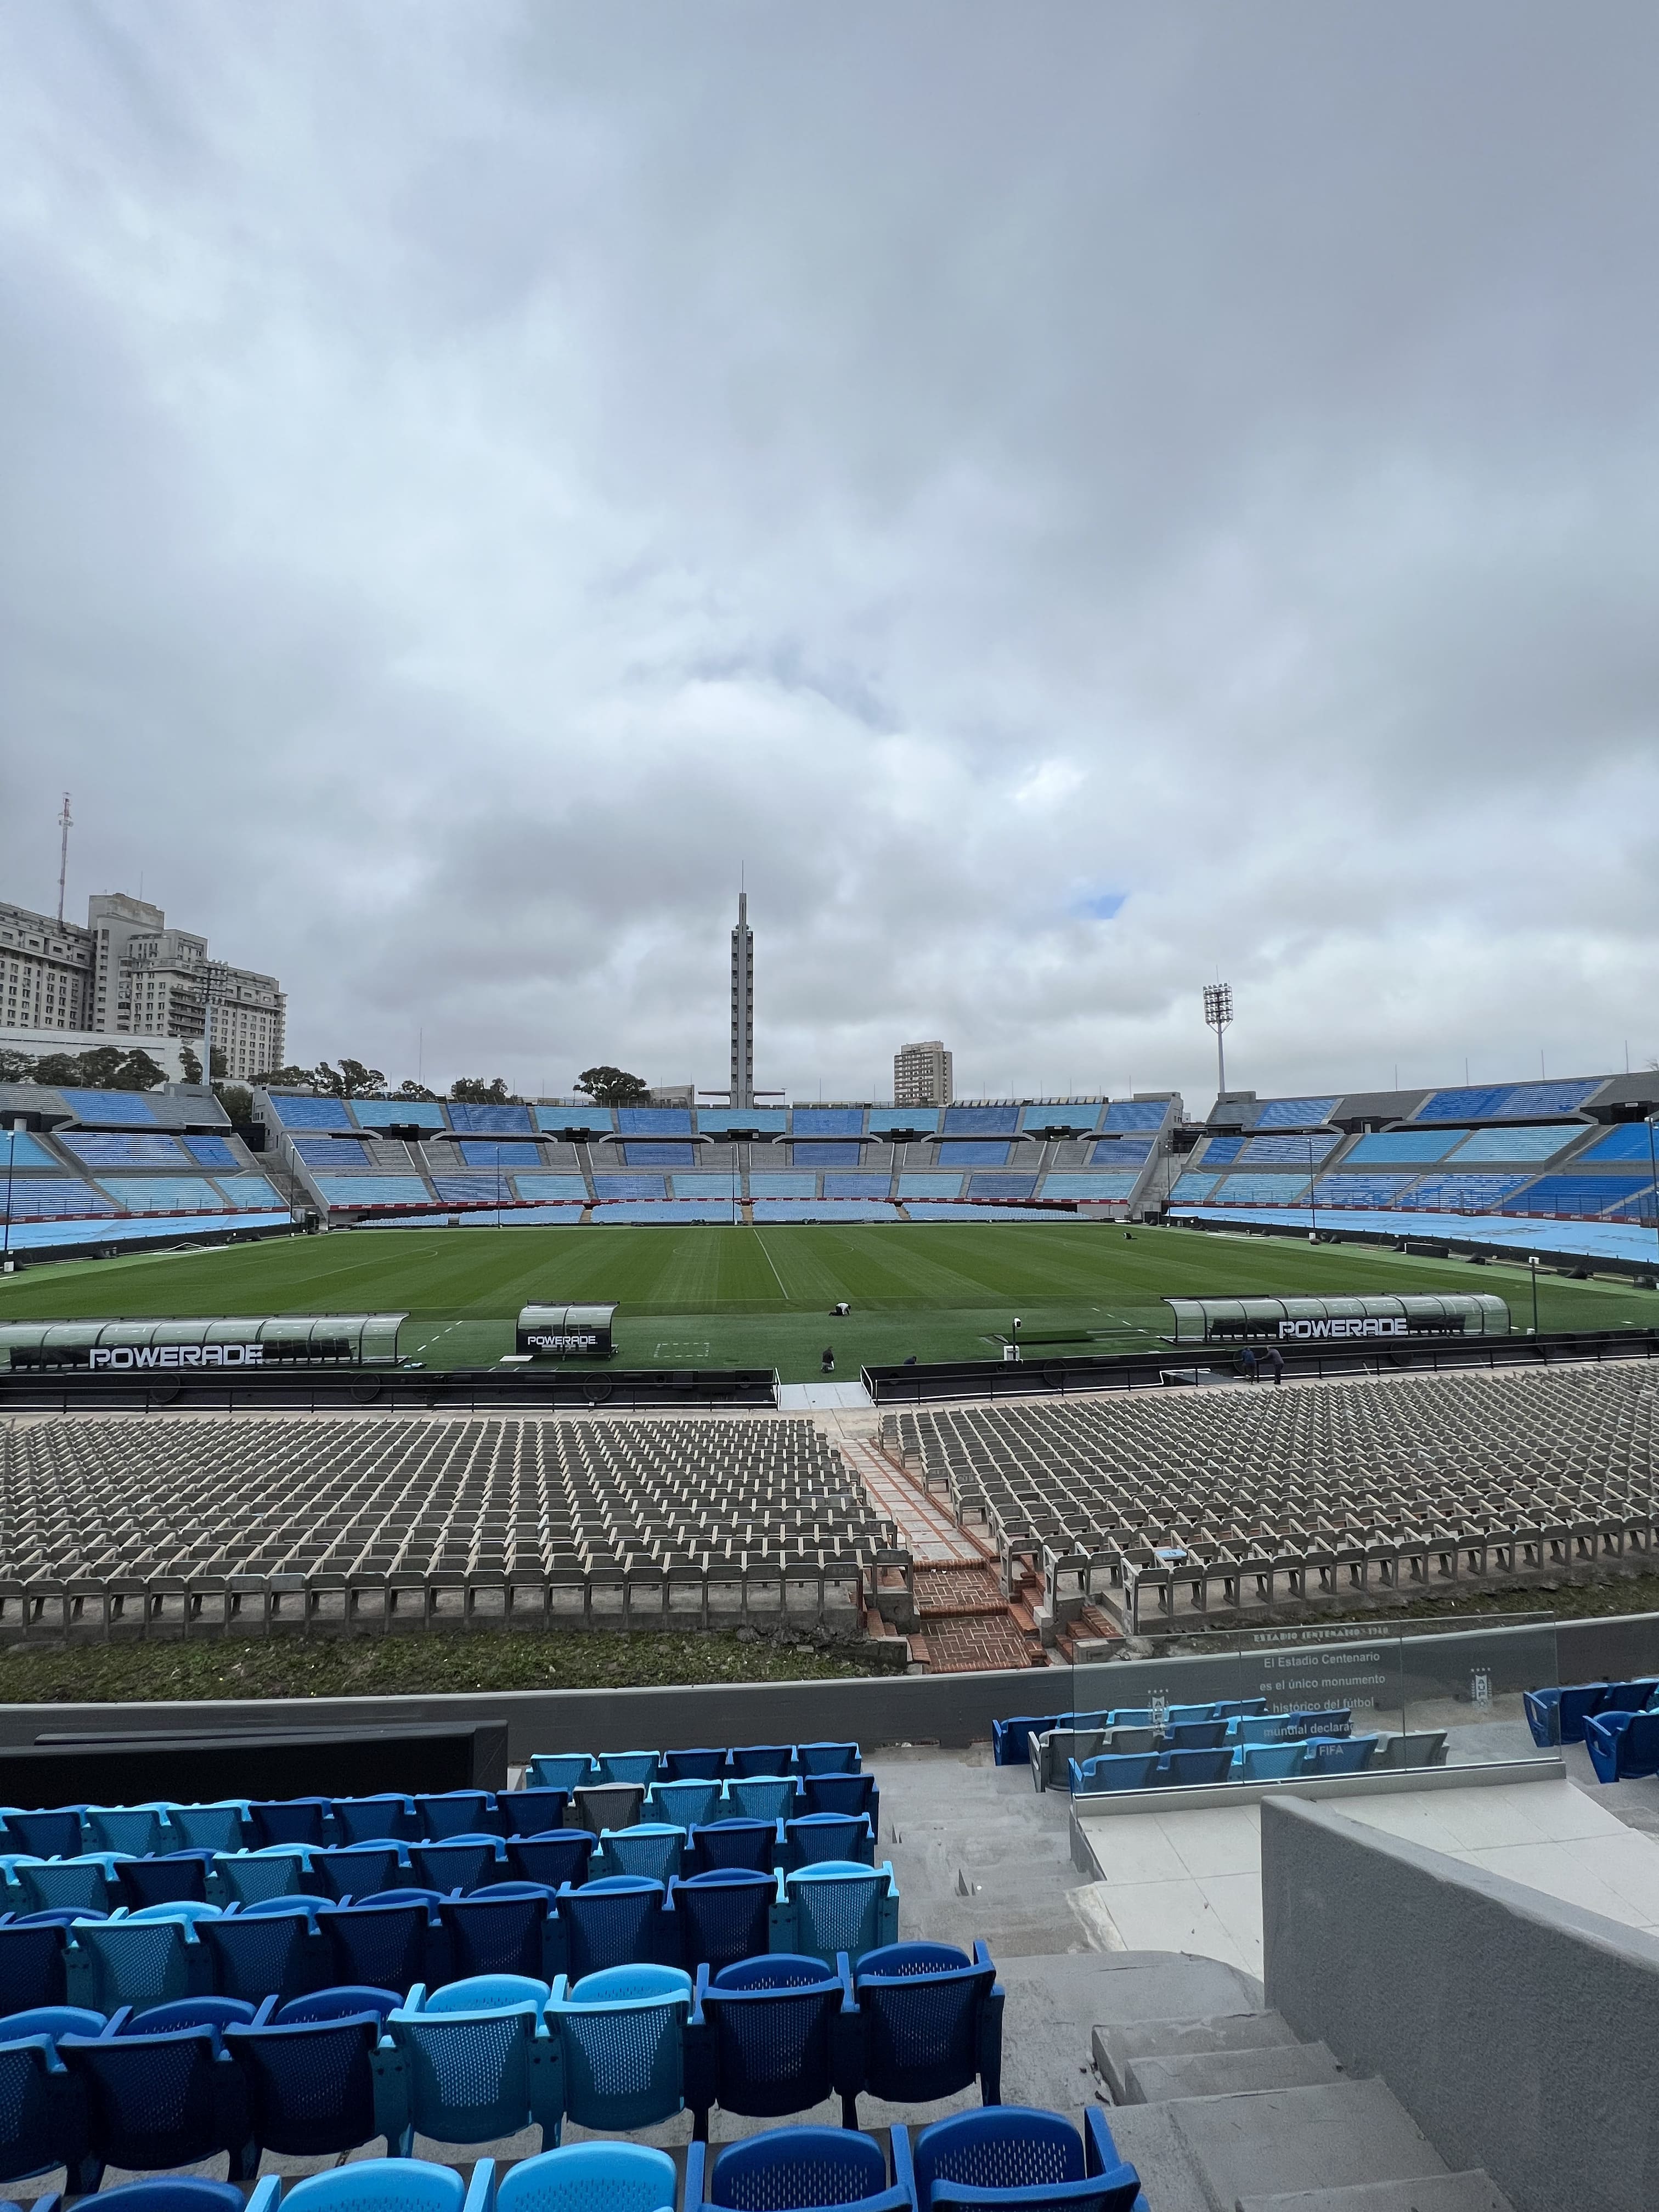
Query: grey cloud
x: 468, y: 492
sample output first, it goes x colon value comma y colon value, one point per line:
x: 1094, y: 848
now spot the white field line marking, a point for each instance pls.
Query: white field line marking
x: 772, y: 1265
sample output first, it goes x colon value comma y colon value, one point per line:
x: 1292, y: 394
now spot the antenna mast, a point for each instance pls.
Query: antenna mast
x: 66, y: 821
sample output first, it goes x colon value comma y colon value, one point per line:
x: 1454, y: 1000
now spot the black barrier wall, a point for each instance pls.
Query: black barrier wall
x: 951, y: 1709
x: 352, y: 1761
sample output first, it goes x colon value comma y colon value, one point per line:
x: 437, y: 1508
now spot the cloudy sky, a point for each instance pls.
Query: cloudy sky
x: 1072, y: 500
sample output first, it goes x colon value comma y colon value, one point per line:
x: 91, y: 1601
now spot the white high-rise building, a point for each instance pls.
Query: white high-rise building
x: 743, y: 1007
x: 126, y: 974
x: 922, y: 1074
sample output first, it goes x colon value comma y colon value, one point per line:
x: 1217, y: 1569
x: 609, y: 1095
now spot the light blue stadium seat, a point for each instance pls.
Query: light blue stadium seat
x: 837, y: 1905
x: 617, y: 2177
x: 618, y: 2043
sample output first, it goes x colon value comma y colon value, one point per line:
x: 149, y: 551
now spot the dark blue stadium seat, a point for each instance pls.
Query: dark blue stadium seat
x: 931, y: 2022
x: 511, y: 1927
x: 32, y: 1964
x: 771, y: 2035
x: 616, y: 1922
x: 531, y: 1812
x: 384, y: 1818
x: 1009, y: 1738
x: 359, y: 1870
x: 552, y: 1860
x: 791, y: 2169
x: 311, y: 2085
x: 1184, y: 1768
x: 842, y: 1793
x: 257, y: 1956
x: 753, y: 1846
x: 1035, y: 2161
x: 704, y: 1766
x: 168, y: 1879
x: 747, y: 1758
x: 722, y: 1916
x: 387, y: 1946
x: 1623, y: 1745
x: 154, y: 2101
x: 292, y: 1820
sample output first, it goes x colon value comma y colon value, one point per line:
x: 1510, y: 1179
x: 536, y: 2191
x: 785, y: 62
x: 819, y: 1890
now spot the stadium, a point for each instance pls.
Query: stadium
x: 1052, y: 1646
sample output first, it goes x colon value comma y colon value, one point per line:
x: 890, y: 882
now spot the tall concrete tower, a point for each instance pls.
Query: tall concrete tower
x: 743, y: 1007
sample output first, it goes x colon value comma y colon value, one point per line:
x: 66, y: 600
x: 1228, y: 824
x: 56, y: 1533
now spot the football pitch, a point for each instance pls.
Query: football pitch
x: 713, y: 1295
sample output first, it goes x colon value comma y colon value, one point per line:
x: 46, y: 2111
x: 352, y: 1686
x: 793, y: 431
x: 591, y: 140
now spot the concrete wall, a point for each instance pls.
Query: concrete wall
x: 1521, y: 2034
x: 953, y: 1709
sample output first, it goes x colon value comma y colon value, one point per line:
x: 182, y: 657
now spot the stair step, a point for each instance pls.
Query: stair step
x: 1474, y: 2191
x: 1156, y: 2081
x: 1115, y: 2047
x: 1276, y: 2142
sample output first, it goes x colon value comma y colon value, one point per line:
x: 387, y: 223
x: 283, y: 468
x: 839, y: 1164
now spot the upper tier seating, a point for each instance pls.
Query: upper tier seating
x: 1298, y: 1151
x: 1294, y: 1113
x: 330, y: 1152
x: 490, y: 1120
x: 52, y: 1198
x: 1517, y: 1102
x: 124, y: 1148
x: 1505, y: 1144
x: 295, y: 1112
x: 1403, y: 1147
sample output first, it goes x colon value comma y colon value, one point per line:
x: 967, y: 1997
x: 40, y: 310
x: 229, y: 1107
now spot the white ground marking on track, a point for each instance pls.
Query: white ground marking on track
x: 772, y: 1265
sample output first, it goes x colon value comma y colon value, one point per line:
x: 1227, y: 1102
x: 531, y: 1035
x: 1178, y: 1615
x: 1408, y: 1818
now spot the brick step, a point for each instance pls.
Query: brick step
x: 962, y: 1612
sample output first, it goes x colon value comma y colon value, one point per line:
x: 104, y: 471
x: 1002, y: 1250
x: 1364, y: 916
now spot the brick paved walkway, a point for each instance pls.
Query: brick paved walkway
x: 971, y: 1645
x: 925, y: 1529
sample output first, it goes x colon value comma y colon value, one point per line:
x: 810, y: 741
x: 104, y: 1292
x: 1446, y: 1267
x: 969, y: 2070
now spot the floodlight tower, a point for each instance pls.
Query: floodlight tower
x: 1217, y: 1013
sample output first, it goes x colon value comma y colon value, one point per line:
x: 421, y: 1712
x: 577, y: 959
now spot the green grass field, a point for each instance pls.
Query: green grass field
x: 719, y: 1297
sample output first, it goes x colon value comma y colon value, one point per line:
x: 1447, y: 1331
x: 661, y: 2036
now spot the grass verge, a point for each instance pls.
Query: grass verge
x: 388, y: 1667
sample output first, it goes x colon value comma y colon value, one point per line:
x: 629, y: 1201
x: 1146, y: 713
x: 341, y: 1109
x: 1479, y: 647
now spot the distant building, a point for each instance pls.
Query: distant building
x: 921, y: 1075
x: 127, y: 974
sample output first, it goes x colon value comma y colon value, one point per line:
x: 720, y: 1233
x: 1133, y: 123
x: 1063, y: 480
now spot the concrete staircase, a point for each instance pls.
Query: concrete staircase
x: 1231, y: 2112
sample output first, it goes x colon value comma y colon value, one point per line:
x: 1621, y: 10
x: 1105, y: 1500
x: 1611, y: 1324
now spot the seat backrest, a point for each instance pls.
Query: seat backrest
x: 623, y: 2057
x: 496, y: 1935
x: 775, y: 2049
x: 531, y: 1812
x: 210, y: 1827
x: 257, y: 1956
x: 839, y: 1793
x: 704, y: 1764
x: 379, y: 2185
x: 582, y: 2176
x: 1195, y: 1735
x: 290, y: 1819
x: 1187, y: 1716
x: 654, y: 1849
x: 640, y: 1766
x: 1121, y: 1741
x: 827, y: 1759
x: 310, y: 2083
x: 563, y: 1769
x: 464, y: 1863
x: 797, y: 2166
x: 338, y: 2004
x: 747, y: 1758
x: 1271, y: 1762
x: 177, y: 2192
x: 358, y: 1870
x: 467, y: 2072
x: 764, y: 1797
x: 735, y: 1846
x: 686, y: 1804
x: 1340, y: 1754
x: 128, y: 1962
x: 383, y: 1818
x: 51, y: 1835
x: 489, y: 1993
x: 384, y: 1945
x: 35, y: 2131
x: 601, y: 1805
x: 999, y: 2146
x: 251, y: 1877
x: 179, y: 1876
x: 1009, y: 1738
x: 32, y: 1964
x: 457, y: 1812
x: 552, y: 1860
x: 189, y: 2011
x: 611, y: 1922
x: 1336, y: 1721
x: 52, y: 2020
x: 1185, y: 1768
x: 921, y: 2031
x: 838, y: 1908
x: 1120, y: 1770
x: 135, y: 1829
x: 723, y: 1916
x: 819, y: 1836
x: 153, y: 2100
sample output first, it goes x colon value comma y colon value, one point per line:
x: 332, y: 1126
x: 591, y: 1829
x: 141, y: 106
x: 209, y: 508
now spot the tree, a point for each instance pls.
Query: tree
x: 409, y: 1088
x: 16, y: 1068
x: 612, y: 1086
x: 105, y: 1067
x: 351, y: 1080
x: 474, y: 1091
x: 237, y: 1101
x: 287, y: 1078
x: 191, y: 1063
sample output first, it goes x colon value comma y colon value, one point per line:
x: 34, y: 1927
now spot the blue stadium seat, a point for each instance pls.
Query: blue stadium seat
x: 931, y: 2023
x: 748, y: 1760
x: 640, y: 1766
x: 619, y: 2044
x: 531, y: 1811
x: 552, y: 1860
x: 173, y: 1878
x: 378, y: 2184
x: 1114, y: 1770
x: 617, y: 1921
x: 792, y: 2169
x: 737, y: 1846
x: 764, y: 1797
x: 32, y: 1964
x: 464, y: 1862
x: 559, y: 1769
x: 58, y: 1834
x: 383, y: 1819
x: 391, y: 1947
x: 1623, y: 1745
x: 292, y: 1820
x: 694, y: 1765
x: 312, y: 2086
x: 1183, y: 1769
x: 723, y: 1916
x: 818, y: 1836
x: 112, y: 1963
x: 257, y: 1954
x: 826, y: 1759
x: 154, y: 2101
x: 42, y: 2120
x: 772, y: 2035
x: 469, y: 2062
x: 511, y: 1927
x: 688, y: 1804
x: 1034, y: 2161
x: 619, y: 2176
x: 836, y: 1907
x: 359, y: 1870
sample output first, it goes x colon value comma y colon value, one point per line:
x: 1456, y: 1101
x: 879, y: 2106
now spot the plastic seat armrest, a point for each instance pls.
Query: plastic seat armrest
x: 391, y: 2081
x: 481, y: 2190
x: 267, y: 2194
x: 697, y: 2159
x: 904, y: 2171
x: 990, y: 2045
